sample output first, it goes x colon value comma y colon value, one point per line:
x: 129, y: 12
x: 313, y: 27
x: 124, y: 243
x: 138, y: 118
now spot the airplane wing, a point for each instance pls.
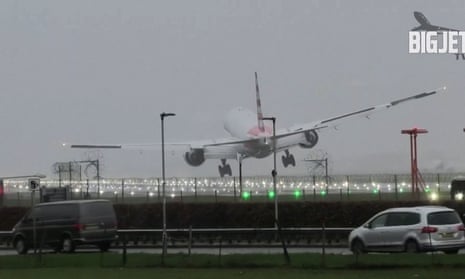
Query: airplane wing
x: 225, y: 148
x: 366, y: 112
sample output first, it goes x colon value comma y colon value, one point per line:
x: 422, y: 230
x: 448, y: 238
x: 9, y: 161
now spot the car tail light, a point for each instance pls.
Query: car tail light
x: 429, y: 229
x: 80, y: 227
x: 461, y: 228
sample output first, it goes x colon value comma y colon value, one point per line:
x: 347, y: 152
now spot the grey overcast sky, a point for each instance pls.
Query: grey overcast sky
x: 102, y: 71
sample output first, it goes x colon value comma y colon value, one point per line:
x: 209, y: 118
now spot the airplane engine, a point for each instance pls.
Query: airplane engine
x: 311, y: 139
x: 195, y: 157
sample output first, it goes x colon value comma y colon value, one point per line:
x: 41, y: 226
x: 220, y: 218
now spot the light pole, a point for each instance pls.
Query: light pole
x: 273, y: 172
x: 164, y: 236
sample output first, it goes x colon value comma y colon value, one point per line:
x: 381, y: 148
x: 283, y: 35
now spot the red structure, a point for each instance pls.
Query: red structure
x: 416, y: 176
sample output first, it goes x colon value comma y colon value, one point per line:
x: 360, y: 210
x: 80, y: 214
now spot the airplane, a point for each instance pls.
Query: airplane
x: 251, y: 138
x: 425, y: 25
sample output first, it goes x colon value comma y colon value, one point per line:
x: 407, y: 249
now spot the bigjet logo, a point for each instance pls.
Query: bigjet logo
x: 428, y: 38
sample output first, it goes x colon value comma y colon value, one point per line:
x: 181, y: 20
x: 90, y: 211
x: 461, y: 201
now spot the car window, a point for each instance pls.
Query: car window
x: 58, y: 211
x: 402, y: 219
x: 379, y: 221
x: 443, y: 218
x: 97, y: 209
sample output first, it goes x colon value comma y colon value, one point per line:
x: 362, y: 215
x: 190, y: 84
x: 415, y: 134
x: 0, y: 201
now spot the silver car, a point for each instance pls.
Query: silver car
x: 410, y: 229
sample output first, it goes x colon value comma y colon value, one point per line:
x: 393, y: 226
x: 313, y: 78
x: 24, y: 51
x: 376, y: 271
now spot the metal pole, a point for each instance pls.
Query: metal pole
x: 59, y: 175
x: 240, y: 178
x: 326, y: 176
x: 122, y: 190
x: 163, y: 187
x: 274, y: 173
x: 164, y: 236
x: 414, y: 180
x: 98, y: 178
x: 70, y: 174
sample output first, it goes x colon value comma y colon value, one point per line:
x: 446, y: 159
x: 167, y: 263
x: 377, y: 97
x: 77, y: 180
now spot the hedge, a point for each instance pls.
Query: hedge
x: 242, y: 214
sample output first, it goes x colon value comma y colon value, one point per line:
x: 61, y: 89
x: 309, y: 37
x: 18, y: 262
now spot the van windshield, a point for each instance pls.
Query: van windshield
x: 97, y: 208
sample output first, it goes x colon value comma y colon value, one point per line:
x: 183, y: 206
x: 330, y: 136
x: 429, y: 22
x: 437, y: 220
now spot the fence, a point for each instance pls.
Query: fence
x: 213, y: 189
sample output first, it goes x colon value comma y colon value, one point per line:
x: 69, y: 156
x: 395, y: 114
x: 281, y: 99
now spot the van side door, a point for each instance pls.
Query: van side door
x: 398, y: 226
x: 373, y: 232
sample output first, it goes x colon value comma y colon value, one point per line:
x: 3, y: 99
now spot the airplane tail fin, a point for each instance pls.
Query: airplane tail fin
x: 261, y: 125
x: 421, y: 18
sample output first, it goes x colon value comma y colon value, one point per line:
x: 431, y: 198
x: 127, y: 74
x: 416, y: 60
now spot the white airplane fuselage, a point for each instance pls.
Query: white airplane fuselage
x: 241, y: 123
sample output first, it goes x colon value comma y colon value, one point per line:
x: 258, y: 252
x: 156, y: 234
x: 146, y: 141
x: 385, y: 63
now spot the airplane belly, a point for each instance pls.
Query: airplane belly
x: 222, y: 152
x: 258, y: 149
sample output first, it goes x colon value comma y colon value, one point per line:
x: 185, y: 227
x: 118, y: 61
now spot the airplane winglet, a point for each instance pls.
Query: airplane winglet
x: 417, y: 96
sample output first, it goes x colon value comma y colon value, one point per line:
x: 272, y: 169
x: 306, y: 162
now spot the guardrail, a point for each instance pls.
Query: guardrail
x: 223, y: 237
x: 234, y: 237
x: 5, y: 239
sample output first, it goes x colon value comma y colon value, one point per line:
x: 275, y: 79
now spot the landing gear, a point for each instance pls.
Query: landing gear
x: 288, y: 159
x: 224, y: 168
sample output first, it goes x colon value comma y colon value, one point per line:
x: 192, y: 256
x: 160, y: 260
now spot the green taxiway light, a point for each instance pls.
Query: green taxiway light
x: 271, y: 195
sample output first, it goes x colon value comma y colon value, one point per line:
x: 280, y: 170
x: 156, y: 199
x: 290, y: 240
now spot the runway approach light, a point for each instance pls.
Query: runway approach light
x: 271, y: 195
x: 297, y: 194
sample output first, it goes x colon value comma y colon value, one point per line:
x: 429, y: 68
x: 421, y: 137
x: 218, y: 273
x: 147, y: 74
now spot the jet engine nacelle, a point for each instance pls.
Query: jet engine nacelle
x: 310, y: 139
x: 195, y: 157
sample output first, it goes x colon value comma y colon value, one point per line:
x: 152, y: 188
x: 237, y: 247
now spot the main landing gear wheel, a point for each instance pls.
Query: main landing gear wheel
x: 288, y: 159
x: 224, y: 169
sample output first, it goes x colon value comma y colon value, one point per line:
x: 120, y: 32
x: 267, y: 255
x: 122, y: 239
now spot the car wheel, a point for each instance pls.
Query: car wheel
x: 357, y: 247
x: 104, y: 246
x: 20, y: 246
x: 411, y: 246
x: 67, y: 245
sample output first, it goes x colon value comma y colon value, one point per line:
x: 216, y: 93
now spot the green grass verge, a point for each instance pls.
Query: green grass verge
x: 272, y: 273
x: 140, y: 266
